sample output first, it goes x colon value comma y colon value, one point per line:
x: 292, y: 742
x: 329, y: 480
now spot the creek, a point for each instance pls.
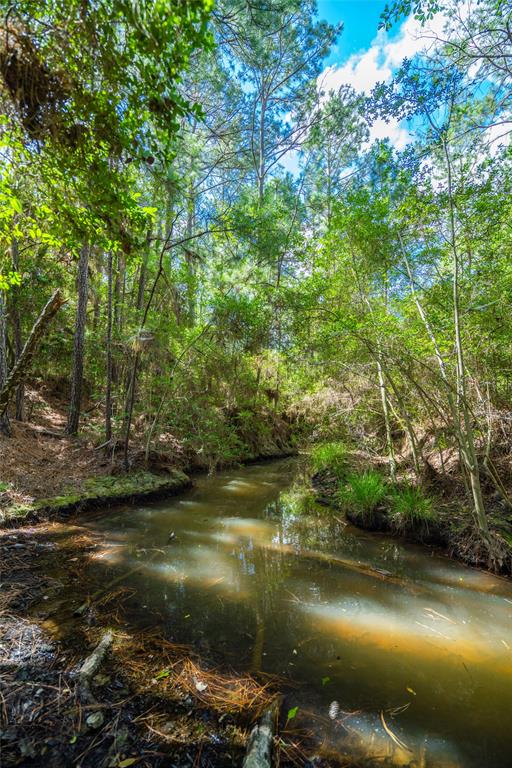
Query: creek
x: 386, y: 650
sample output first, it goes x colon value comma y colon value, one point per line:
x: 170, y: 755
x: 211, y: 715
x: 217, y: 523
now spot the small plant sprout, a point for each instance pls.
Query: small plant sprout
x: 292, y: 713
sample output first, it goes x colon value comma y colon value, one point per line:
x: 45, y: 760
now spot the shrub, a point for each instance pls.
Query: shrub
x: 332, y: 456
x: 411, y: 509
x: 363, y: 494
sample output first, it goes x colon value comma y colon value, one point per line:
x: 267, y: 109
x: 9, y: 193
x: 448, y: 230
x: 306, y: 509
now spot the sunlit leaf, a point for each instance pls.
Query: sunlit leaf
x: 292, y: 713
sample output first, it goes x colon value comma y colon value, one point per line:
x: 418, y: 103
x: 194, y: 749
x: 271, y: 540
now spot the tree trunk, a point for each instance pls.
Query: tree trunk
x: 79, y: 346
x: 16, y: 375
x: 130, y: 400
x: 385, y: 411
x: 108, y: 387
x: 261, y: 151
x: 16, y: 328
x: 469, y: 452
x: 329, y: 189
x: 191, y: 277
x: 117, y: 314
x: 5, y: 426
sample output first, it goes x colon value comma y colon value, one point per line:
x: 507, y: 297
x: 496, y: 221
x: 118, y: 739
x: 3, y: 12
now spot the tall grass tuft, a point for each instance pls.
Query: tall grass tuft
x: 411, y: 509
x: 331, y: 456
x: 363, y: 494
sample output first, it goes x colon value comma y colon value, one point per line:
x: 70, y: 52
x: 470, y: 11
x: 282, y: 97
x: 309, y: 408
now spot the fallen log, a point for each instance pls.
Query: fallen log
x: 259, y: 746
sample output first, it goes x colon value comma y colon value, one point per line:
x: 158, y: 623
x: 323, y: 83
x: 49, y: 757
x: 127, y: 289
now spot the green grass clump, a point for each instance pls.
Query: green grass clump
x: 411, y: 509
x: 363, y: 494
x: 332, y: 456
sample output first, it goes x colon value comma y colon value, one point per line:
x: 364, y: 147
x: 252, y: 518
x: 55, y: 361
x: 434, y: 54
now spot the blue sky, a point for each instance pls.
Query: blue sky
x: 361, y: 20
x: 365, y: 55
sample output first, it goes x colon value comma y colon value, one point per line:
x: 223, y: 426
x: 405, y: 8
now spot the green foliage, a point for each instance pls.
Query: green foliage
x: 364, y: 493
x: 114, y: 85
x: 331, y: 456
x: 9, y: 280
x: 423, y: 10
x: 410, y: 508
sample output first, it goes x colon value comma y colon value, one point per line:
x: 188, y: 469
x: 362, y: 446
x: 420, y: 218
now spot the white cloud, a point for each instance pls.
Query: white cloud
x: 496, y: 136
x: 396, y: 133
x: 378, y: 63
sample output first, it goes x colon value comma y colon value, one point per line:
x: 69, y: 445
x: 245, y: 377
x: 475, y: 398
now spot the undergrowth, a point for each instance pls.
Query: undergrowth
x: 363, y: 494
x: 410, y: 509
x: 331, y: 456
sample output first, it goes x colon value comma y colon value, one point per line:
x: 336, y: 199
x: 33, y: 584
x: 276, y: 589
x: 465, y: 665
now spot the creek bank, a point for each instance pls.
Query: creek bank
x: 447, y: 531
x: 106, y: 490
x: 110, y: 490
x: 46, y: 473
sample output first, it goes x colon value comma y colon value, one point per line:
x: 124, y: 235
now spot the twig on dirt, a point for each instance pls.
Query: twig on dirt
x: 90, y: 667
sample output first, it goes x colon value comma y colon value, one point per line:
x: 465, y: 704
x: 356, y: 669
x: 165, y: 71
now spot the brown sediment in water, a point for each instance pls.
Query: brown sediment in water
x: 173, y: 679
x: 144, y: 680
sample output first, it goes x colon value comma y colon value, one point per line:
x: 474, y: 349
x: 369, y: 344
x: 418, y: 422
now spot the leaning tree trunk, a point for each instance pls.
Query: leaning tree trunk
x: 79, y: 347
x: 17, y: 373
x: 5, y: 426
x: 385, y: 411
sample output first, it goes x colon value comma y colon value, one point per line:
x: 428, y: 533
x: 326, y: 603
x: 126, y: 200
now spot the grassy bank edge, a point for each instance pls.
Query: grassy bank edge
x: 106, y: 490
x: 371, y: 501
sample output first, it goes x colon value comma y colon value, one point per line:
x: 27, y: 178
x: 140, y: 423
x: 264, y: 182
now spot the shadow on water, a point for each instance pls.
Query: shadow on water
x: 249, y: 570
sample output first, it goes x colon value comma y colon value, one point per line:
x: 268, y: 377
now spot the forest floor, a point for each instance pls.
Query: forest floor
x: 39, y: 460
x: 143, y: 707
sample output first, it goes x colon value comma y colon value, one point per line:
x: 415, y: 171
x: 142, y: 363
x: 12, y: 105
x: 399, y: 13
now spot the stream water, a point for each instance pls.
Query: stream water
x: 382, y: 642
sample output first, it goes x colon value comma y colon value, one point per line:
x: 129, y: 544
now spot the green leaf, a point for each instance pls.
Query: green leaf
x: 292, y: 712
x: 163, y: 674
x: 127, y: 762
x: 16, y: 205
x: 326, y: 680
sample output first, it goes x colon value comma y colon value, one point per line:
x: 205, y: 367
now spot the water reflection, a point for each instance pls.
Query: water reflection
x: 247, y: 567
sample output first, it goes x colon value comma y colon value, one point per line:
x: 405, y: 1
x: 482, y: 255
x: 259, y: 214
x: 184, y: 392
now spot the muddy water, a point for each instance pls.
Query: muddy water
x: 393, y: 652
